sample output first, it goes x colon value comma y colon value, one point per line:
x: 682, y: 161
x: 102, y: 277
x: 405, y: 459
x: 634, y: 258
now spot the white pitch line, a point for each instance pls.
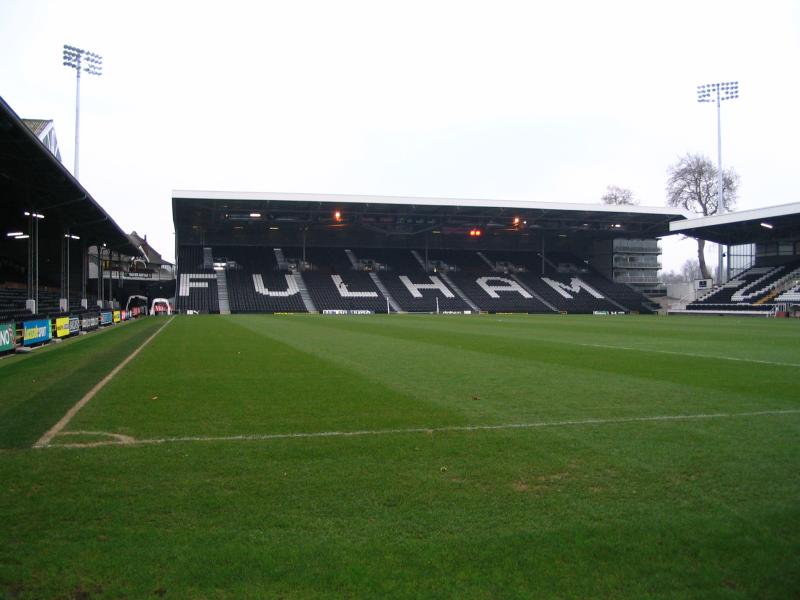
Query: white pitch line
x: 692, y: 354
x: 64, y: 421
x: 429, y: 430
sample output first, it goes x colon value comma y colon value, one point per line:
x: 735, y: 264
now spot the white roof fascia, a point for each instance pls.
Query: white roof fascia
x: 474, y: 202
x: 756, y: 214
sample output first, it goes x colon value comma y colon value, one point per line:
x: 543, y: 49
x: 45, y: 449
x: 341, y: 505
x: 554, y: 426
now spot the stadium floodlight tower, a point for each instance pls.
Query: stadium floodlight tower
x: 718, y: 92
x: 91, y: 63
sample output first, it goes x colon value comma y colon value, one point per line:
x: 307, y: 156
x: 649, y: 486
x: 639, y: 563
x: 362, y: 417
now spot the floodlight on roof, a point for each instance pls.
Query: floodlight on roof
x: 255, y: 215
x: 21, y: 237
x: 14, y: 234
x: 766, y: 225
x: 92, y: 64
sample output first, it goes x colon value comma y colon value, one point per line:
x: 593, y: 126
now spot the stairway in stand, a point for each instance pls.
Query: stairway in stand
x: 283, y: 264
x: 458, y: 291
x: 382, y: 289
x: 301, y: 285
x: 222, y: 293
x: 352, y: 258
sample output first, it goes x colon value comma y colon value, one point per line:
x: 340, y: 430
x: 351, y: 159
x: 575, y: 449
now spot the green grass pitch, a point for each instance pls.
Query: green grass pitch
x: 407, y: 456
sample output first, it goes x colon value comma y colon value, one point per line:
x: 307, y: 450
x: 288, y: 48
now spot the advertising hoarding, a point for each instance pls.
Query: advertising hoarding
x: 7, y: 336
x: 74, y: 325
x: 106, y: 318
x: 62, y: 327
x: 89, y: 322
x: 34, y: 332
x: 116, y: 316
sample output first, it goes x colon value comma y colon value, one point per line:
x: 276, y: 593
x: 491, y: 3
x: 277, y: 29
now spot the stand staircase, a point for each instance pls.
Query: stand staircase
x: 222, y: 293
x: 382, y: 288
x: 301, y: 285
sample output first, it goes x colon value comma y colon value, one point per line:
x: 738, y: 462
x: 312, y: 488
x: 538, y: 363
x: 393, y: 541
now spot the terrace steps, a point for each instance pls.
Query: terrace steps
x: 382, y: 289
x: 222, y: 293
x: 458, y: 291
x: 301, y: 285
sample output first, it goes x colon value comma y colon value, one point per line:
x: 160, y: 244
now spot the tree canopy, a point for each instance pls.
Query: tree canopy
x: 692, y: 184
x: 618, y: 196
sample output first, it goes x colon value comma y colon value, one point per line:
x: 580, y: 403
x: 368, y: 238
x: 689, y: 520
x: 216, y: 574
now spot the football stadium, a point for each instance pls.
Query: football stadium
x: 374, y: 396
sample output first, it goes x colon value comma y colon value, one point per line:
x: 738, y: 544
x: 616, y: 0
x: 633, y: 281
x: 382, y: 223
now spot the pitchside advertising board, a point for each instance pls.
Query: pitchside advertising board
x: 62, y: 327
x: 116, y: 316
x: 74, y: 325
x: 106, y: 318
x: 34, y: 332
x: 703, y: 284
x: 7, y: 334
x: 89, y: 322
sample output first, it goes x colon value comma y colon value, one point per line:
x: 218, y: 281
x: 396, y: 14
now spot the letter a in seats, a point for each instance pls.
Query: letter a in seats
x: 506, y: 285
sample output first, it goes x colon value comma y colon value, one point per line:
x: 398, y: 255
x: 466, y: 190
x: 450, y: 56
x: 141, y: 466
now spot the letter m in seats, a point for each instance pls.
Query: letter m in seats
x: 573, y: 287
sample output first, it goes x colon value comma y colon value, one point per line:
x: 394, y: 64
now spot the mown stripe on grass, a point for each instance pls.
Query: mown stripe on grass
x: 426, y: 430
x: 40, y: 387
x: 210, y: 376
x: 590, y: 369
x: 64, y: 421
x: 531, y: 331
x: 685, y: 354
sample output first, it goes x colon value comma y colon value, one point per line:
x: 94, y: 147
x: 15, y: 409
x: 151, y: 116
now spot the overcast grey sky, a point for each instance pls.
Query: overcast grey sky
x: 544, y: 101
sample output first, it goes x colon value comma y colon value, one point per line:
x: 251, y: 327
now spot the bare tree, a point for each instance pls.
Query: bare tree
x: 618, y: 196
x: 692, y: 184
x: 691, y: 270
x: 688, y: 272
x: 672, y: 277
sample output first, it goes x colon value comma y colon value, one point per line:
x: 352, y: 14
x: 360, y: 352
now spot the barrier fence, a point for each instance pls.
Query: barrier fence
x: 40, y: 331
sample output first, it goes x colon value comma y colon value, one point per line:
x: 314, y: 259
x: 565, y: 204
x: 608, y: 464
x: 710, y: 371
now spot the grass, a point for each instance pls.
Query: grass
x: 703, y: 508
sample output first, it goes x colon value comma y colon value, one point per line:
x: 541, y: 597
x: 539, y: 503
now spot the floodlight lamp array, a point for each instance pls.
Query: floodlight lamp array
x: 83, y: 60
x: 711, y: 92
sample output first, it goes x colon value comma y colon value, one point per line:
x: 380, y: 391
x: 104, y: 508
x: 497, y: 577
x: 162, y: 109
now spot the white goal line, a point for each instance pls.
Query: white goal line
x: 411, y: 430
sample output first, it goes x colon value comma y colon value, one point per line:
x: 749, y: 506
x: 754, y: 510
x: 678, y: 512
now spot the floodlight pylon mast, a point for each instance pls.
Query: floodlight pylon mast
x: 717, y: 92
x: 80, y: 60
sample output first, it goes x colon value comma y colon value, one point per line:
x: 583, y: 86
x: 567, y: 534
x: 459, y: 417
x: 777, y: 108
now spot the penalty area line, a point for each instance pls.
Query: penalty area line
x: 64, y: 421
x: 689, y: 354
x: 428, y: 430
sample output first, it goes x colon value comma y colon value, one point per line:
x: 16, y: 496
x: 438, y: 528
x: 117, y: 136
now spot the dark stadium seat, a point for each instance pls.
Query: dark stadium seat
x: 339, y: 279
x: 756, y: 289
x: 196, y: 287
x: 410, y: 286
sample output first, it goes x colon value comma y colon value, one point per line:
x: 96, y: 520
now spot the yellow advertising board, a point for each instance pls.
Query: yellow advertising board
x: 62, y: 327
x: 116, y: 316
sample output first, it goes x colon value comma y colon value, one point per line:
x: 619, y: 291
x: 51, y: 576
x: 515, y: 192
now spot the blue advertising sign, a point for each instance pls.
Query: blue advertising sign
x: 106, y: 318
x: 34, y: 332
